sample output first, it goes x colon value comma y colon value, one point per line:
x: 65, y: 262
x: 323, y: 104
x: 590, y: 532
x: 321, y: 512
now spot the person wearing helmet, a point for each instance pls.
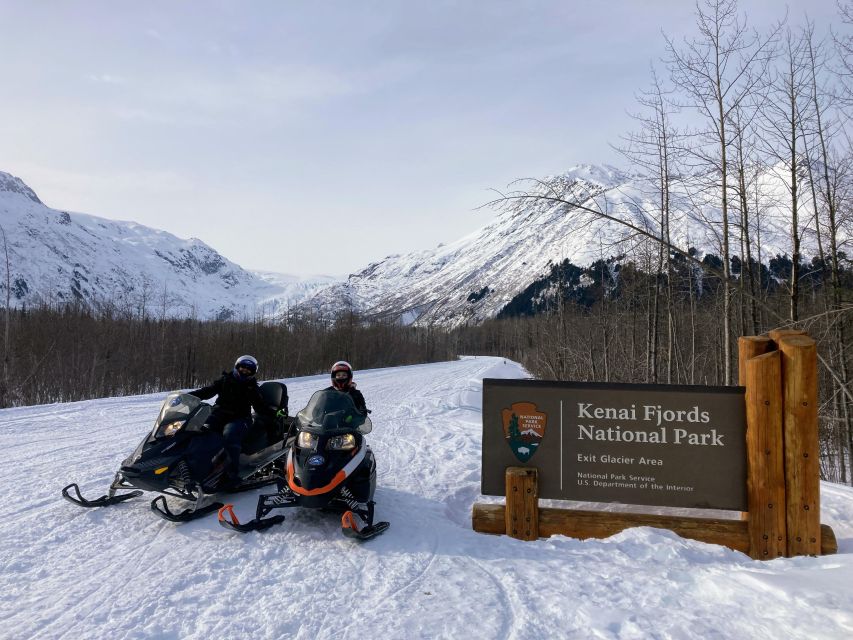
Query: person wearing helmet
x: 236, y: 394
x: 342, y: 381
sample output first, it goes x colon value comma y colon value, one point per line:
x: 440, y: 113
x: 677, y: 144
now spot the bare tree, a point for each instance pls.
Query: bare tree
x: 844, y: 49
x: 745, y: 185
x: 787, y: 115
x: 717, y: 71
x: 824, y: 173
x: 655, y: 149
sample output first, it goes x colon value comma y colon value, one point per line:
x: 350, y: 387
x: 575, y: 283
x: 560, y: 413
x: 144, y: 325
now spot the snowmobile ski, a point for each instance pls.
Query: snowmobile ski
x: 229, y: 520
x: 103, y: 501
x: 266, y: 503
x: 161, y: 508
x: 366, y: 533
x: 358, y: 524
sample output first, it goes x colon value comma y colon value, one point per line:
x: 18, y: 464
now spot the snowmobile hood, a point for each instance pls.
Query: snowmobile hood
x: 324, y: 478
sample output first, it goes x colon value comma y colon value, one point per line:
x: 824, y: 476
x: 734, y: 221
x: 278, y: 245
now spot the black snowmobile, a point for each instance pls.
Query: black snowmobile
x: 181, y: 459
x: 329, y: 466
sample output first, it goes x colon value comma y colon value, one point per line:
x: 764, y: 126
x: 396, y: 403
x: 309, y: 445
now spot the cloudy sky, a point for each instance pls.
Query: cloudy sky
x: 317, y: 137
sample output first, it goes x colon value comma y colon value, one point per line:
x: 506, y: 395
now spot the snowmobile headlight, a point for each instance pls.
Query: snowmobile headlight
x: 306, y: 440
x: 173, y: 427
x: 341, y: 443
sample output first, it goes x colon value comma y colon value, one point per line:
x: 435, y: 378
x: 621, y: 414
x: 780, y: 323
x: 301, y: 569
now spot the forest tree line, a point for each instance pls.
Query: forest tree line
x: 602, y: 323
x: 66, y: 353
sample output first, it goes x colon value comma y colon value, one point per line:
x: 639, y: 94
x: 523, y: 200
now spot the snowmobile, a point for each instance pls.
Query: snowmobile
x: 329, y: 466
x: 181, y: 459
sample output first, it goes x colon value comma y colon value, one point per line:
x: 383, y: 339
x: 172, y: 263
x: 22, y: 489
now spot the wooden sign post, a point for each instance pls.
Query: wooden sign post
x: 522, y: 503
x: 779, y: 373
x: 765, y: 478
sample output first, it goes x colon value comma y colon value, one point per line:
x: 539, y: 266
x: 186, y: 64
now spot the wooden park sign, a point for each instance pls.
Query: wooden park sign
x: 751, y: 449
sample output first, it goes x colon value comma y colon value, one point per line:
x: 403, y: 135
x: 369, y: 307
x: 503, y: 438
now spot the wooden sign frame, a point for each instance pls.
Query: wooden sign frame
x: 783, y: 475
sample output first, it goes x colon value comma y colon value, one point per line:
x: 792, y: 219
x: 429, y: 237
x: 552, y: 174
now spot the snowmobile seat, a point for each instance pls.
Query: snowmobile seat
x: 274, y: 395
x: 267, y: 429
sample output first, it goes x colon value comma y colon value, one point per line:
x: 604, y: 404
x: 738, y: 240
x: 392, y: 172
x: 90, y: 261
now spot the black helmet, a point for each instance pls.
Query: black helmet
x: 341, y: 374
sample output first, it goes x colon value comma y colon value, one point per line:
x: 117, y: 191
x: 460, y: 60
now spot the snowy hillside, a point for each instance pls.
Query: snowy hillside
x: 473, y: 278
x: 122, y: 573
x: 60, y: 257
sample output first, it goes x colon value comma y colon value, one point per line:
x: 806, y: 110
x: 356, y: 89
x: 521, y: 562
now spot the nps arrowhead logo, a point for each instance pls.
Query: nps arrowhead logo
x: 524, y: 428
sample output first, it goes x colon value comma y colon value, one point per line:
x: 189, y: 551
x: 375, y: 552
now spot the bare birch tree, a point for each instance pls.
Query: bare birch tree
x: 655, y: 149
x: 717, y: 71
x: 787, y: 114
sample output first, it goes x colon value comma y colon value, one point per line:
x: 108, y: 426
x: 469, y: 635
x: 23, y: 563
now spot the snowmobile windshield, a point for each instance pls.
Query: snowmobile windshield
x: 177, y: 407
x: 331, y: 411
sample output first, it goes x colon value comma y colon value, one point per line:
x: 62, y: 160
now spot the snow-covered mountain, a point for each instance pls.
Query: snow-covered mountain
x: 473, y: 278
x: 57, y: 256
x: 121, y: 573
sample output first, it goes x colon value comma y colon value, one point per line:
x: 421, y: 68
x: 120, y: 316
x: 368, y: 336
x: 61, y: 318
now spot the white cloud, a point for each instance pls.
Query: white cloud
x: 106, y: 78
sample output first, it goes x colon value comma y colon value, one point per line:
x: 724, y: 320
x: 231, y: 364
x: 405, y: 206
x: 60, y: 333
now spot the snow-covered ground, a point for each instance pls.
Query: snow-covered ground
x: 121, y: 572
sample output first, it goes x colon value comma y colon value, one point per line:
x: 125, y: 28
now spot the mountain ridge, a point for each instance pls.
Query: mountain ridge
x: 466, y: 281
x: 474, y: 278
x: 59, y: 257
